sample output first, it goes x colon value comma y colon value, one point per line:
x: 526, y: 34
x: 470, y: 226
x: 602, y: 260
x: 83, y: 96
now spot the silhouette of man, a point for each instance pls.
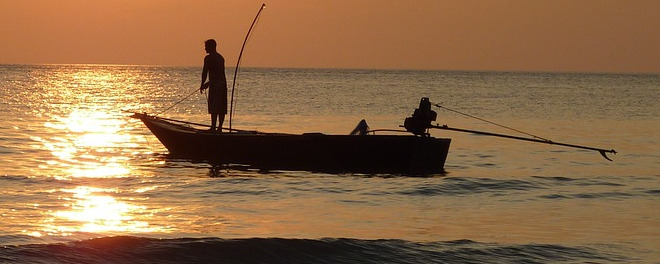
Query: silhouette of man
x: 214, y: 68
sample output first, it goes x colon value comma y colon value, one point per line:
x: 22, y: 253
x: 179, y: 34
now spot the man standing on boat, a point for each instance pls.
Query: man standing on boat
x: 214, y: 68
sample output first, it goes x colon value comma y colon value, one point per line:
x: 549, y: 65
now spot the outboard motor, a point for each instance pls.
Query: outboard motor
x: 421, y: 119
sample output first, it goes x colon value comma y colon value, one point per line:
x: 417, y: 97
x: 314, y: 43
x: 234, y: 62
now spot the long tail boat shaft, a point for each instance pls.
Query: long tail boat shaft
x: 602, y: 152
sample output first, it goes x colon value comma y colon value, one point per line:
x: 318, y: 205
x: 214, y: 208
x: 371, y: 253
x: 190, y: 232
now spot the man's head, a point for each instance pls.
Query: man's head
x: 210, y: 45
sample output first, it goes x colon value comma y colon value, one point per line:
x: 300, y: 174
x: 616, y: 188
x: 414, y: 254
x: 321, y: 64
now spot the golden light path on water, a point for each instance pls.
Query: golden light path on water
x: 95, y: 212
x: 87, y: 140
x: 90, y: 134
x: 87, y: 149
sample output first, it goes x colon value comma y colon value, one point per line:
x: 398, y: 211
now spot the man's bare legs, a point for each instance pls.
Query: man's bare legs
x: 220, y: 118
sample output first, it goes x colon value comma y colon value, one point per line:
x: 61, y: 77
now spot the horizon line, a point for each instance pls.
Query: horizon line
x: 339, y: 68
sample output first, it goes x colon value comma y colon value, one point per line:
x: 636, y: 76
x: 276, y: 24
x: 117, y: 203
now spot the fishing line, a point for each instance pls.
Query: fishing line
x: 493, y: 123
x: 173, y: 105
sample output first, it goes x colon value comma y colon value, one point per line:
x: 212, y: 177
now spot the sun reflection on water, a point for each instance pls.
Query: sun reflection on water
x: 83, y: 158
x: 91, y: 143
x: 87, y: 144
x: 95, y: 210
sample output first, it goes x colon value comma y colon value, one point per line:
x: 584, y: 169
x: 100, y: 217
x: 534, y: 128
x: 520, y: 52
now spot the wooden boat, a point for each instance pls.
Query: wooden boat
x: 416, y: 153
x: 311, y: 151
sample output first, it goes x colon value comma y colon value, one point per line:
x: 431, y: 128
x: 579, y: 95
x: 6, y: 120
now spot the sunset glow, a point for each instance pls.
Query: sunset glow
x: 559, y: 35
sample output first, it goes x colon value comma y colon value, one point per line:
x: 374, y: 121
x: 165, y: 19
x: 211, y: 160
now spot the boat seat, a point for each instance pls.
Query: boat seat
x: 361, y: 129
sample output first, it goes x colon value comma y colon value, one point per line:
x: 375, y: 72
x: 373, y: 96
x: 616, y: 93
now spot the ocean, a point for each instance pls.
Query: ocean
x: 82, y: 182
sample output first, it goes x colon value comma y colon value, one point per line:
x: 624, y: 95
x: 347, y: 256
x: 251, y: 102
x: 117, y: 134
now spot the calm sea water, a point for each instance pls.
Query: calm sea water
x: 84, y: 183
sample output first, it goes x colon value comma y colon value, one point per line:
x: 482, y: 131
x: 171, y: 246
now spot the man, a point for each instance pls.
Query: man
x: 214, y: 68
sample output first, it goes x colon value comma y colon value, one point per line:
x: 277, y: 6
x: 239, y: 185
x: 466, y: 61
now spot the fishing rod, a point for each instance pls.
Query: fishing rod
x: 238, y: 63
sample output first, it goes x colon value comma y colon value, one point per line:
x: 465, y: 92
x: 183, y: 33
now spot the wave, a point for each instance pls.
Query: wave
x: 129, y: 249
x: 531, y: 188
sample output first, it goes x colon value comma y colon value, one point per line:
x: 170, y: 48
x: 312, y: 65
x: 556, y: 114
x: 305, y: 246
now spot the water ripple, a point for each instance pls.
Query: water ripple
x: 471, y: 186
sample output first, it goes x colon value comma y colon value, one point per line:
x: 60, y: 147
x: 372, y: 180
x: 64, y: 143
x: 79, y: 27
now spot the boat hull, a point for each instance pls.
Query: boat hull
x: 312, y: 152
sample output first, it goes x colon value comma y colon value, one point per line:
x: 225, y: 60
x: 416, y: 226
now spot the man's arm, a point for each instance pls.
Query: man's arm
x: 205, y: 72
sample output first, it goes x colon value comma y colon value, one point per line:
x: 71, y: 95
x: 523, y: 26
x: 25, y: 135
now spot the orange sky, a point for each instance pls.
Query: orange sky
x: 517, y: 35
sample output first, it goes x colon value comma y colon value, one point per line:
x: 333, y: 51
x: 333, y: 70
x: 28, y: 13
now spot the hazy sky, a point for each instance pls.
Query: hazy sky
x: 519, y: 35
